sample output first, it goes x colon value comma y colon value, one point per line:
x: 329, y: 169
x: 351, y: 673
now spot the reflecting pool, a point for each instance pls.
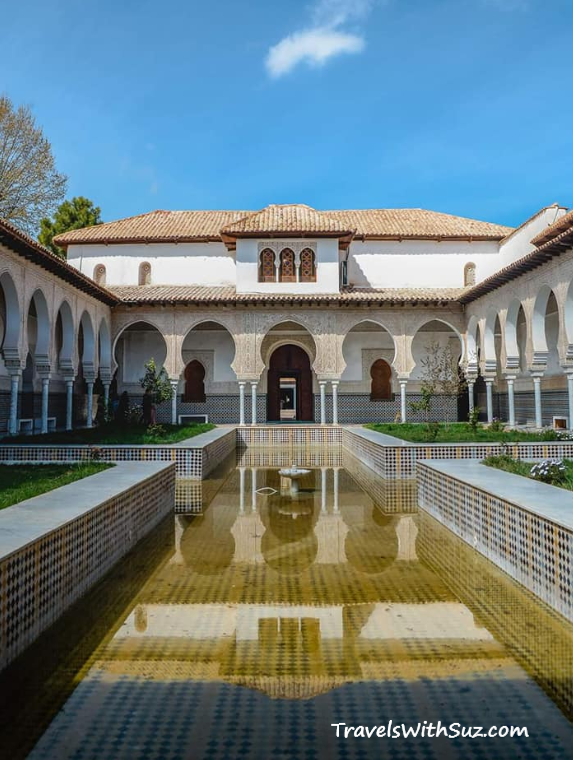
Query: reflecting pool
x: 252, y: 620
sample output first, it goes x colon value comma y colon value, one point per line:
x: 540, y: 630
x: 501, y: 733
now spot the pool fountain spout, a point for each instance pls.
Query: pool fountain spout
x: 294, y: 474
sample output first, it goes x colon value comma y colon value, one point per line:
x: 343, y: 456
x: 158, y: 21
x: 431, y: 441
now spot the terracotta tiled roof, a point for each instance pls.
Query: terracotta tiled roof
x: 557, y: 228
x: 147, y: 294
x: 295, y: 218
x: 156, y: 226
x: 30, y: 249
x: 189, y: 226
x: 416, y: 223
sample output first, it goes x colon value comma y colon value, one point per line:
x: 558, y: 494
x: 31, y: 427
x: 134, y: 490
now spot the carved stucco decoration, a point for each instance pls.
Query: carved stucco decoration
x: 277, y: 246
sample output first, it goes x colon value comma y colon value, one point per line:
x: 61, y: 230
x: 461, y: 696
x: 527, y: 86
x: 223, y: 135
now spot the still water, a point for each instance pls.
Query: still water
x: 252, y: 620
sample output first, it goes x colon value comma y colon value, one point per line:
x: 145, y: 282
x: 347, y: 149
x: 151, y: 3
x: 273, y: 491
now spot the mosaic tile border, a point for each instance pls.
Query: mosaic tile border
x: 192, y: 461
x: 289, y: 435
x: 532, y: 549
x: 399, y: 461
x: 43, y: 577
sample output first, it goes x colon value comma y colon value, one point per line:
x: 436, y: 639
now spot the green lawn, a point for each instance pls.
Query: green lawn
x: 20, y: 482
x: 457, y: 432
x: 518, y: 467
x: 114, y: 433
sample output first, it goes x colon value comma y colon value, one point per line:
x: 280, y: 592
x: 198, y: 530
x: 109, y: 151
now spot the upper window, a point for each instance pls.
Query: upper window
x: 307, y: 265
x: 469, y: 274
x: 267, y: 266
x: 145, y: 273
x: 288, y: 268
x: 99, y: 274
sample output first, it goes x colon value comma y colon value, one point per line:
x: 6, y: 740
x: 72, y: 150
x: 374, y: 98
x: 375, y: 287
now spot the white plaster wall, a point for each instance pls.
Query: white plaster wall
x: 352, y: 348
x: 171, y: 264
x: 327, y: 273
x: 135, y: 348
x: 218, y: 341
x: 519, y: 244
x: 418, y: 263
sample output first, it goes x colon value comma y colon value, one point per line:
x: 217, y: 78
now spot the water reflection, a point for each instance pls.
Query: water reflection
x: 271, y: 617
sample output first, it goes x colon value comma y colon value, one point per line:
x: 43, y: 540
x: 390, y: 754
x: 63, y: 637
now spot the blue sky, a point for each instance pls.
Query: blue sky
x: 461, y: 106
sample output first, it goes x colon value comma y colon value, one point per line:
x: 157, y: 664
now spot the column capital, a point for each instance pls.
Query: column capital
x: 536, y: 375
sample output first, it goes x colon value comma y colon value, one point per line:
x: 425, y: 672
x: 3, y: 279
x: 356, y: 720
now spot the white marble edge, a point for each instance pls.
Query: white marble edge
x: 27, y: 521
x: 546, y: 501
x: 382, y: 439
x: 195, y: 442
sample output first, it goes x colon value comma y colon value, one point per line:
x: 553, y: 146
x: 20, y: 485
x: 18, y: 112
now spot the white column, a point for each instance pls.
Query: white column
x: 174, y: 388
x: 511, y: 400
x: 106, y: 396
x: 254, y: 489
x: 323, y: 489
x: 335, y: 486
x: 241, y: 489
x: 403, y: 384
x: 242, y: 402
x: 69, y: 403
x: 253, y: 403
x: 335, y: 402
x: 322, y: 384
x: 13, y: 426
x: 489, y: 397
x: 90, y: 385
x: 537, y: 394
x: 570, y: 397
x: 471, y: 384
x: 45, y: 398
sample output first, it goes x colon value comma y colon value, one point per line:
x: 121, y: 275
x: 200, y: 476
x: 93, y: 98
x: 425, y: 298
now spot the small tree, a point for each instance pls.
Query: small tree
x: 439, y: 375
x: 156, y: 383
x: 70, y: 215
x: 430, y: 379
x: 450, y: 382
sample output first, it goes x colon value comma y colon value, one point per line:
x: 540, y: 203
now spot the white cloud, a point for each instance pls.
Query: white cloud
x: 314, y: 46
x: 323, y: 40
x: 337, y: 12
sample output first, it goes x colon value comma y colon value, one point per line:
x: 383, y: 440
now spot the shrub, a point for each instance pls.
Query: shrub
x: 549, y: 471
x: 156, y: 382
x: 473, y: 418
x: 134, y: 415
x: 496, y: 425
x: 432, y: 430
x: 156, y: 430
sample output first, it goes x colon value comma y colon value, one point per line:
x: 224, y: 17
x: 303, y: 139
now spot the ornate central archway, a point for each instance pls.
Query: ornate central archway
x: 289, y: 385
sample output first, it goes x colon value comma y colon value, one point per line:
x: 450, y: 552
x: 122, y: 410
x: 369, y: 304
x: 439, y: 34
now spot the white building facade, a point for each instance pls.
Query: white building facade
x: 289, y: 314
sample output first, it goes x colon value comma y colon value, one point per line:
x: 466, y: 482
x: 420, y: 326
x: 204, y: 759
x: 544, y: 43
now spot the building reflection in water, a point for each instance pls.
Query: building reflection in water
x: 322, y: 597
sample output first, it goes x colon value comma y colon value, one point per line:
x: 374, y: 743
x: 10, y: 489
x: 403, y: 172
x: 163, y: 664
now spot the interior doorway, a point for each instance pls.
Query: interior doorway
x: 289, y: 393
